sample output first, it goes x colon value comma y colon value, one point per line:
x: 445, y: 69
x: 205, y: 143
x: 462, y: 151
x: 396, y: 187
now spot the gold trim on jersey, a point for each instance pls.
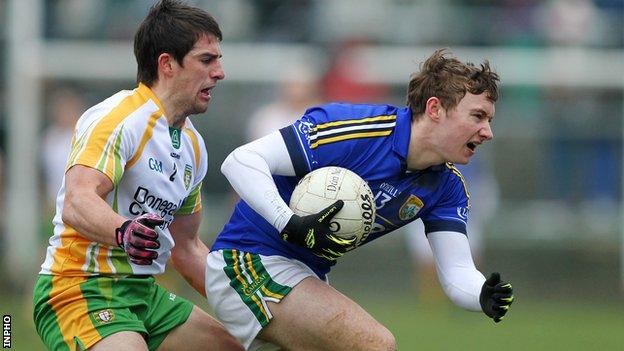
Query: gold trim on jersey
x: 456, y: 171
x: 195, y: 143
x: 369, y: 127
x: 354, y: 121
x: 147, y: 135
x: 98, y: 149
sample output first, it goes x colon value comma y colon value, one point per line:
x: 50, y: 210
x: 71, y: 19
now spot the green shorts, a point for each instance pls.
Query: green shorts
x: 80, y: 311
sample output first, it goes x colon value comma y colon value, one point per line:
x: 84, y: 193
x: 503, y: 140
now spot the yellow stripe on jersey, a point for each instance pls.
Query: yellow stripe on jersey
x: 101, y: 259
x: 97, y: 148
x: 70, y: 258
x: 63, y: 258
x: 461, y: 178
x: 77, y: 145
x: 195, y: 143
x: 149, y: 95
x: 74, y: 321
x: 354, y: 121
x: 147, y: 135
x: 354, y: 135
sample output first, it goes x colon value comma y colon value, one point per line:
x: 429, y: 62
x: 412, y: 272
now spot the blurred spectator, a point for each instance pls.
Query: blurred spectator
x: 64, y: 108
x: 585, y: 138
x: 280, y: 20
x: 73, y: 18
x: 82, y: 19
x: 571, y: 22
x: 482, y: 186
x: 297, y: 90
x: 346, y: 77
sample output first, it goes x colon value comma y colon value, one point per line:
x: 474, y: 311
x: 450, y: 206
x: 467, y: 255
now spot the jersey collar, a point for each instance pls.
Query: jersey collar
x: 145, y: 91
x: 402, y: 132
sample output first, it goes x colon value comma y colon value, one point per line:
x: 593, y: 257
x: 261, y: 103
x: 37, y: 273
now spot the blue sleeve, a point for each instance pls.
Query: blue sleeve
x: 451, y: 212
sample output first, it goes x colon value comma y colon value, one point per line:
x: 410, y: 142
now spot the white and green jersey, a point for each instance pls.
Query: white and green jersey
x: 154, y: 168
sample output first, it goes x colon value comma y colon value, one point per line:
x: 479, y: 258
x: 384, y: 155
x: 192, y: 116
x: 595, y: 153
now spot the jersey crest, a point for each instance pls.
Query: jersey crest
x: 410, y: 208
x: 188, y: 174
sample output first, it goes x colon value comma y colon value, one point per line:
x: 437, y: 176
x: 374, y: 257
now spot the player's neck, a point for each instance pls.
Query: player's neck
x: 421, y: 152
x: 175, y: 116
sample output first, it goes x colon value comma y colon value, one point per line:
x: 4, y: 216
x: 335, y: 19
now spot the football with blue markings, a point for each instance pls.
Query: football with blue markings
x: 322, y: 187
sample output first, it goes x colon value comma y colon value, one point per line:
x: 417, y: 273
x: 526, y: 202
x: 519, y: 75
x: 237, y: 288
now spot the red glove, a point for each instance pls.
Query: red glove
x: 138, y: 238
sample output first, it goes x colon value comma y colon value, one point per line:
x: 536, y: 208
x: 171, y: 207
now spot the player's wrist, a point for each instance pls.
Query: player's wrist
x: 119, y: 233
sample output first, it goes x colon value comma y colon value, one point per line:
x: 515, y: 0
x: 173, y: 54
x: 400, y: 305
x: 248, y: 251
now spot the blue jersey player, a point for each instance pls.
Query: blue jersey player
x: 266, y: 281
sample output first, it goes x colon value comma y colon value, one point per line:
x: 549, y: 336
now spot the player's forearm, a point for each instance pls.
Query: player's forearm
x: 92, y: 217
x: 457, y: 273
x: 463, y: 286
x: 189, y: 259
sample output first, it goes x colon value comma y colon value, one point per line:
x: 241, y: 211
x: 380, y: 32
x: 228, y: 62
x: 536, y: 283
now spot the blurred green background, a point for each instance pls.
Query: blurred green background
x: 547, y: 191
x: 551, y: 312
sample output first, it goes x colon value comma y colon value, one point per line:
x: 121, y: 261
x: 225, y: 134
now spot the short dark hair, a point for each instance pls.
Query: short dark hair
x: 171, y: 27
x: 449, y: 79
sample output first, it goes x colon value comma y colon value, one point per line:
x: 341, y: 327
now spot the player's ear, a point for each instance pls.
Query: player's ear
x: 433, y: 108
x: 166, y: 64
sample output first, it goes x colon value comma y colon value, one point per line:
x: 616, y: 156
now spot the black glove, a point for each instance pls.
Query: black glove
x: 496, y: 297
x: 313, y: 232
x: 138, y: 238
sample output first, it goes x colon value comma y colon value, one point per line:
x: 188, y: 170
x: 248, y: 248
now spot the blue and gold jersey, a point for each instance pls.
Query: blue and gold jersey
x: 372, y: 141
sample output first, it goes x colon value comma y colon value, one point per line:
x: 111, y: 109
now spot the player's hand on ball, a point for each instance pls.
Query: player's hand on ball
x: 496, y: 297
x: 138, y: 238
x: 313, y: 232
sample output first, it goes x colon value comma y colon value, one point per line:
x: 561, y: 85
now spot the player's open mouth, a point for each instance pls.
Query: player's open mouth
x: 205, y: 93
x: 472, y: 146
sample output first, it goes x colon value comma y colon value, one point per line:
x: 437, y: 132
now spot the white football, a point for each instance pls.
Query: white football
x: 322, y: 187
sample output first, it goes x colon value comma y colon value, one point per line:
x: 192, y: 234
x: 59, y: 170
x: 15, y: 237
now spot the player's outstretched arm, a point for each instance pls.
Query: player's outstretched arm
x: 462, y: 282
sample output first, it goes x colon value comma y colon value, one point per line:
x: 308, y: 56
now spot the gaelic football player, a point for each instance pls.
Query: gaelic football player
x: 130, y: 200
x: 266, y: 276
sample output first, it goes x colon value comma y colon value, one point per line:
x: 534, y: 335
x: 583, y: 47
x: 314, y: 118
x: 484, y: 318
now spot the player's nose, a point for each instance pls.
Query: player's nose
x: 217, y: 73
x: 486, y: 132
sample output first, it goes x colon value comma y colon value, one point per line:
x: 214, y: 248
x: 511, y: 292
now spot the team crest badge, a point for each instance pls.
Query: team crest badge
x: 175, y: 137
x: 410, y: 208
x: 188, y: 174
x: 104, y: 316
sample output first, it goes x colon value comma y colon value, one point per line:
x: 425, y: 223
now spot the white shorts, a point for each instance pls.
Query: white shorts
x: 239, y: 284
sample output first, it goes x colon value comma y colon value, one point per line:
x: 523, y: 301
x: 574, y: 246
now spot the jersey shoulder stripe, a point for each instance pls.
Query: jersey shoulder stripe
x: 456, y: 172
x: 194, y: 140
x: 147, y: 135
x: 327, y: 133
x: 98, y: 144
